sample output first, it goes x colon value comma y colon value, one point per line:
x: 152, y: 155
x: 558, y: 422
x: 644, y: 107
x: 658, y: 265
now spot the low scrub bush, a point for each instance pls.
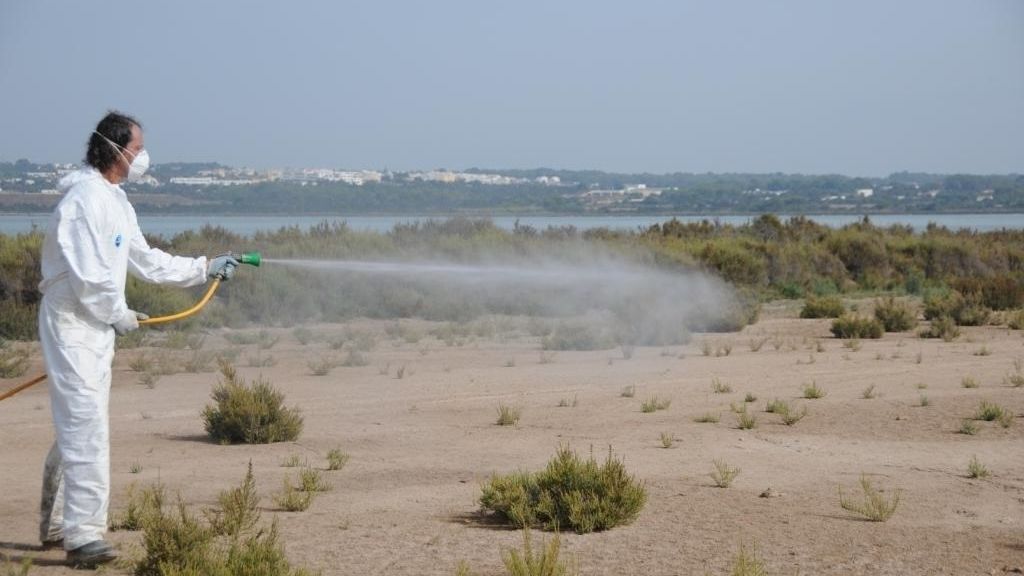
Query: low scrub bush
x: 246, y: 414
x: 823, y: 307
x: 176, y: 542
x: 851, y: 326
x: 965, y: 310
x: 895, y: 316
x: 1015, y: 320
x: 13, y: 360
x: 570, y: 493
x: 942, y: 327
x: 873, y: 504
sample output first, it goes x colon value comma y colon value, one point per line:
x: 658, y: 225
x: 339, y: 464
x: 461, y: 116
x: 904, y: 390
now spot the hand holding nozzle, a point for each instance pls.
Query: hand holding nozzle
x: 222, y: 267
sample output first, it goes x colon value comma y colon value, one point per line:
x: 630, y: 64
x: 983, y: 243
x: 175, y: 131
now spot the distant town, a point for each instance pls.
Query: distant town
x: 26, y: 186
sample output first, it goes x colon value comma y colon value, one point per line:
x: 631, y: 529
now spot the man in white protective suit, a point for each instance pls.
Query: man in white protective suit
x: 92, y: 241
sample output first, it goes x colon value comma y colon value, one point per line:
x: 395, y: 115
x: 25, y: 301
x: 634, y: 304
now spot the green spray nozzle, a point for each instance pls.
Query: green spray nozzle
x: 251, y: 258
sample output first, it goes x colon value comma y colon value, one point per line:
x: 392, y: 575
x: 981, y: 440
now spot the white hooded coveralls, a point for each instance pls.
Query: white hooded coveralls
x: 92, y: 241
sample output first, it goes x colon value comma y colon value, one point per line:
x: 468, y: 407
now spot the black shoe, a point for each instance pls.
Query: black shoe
x: 52, y: 544
x: 92, y: 554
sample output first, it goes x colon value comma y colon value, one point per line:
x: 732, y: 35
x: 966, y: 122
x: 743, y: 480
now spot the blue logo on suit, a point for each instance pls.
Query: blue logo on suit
x: 117, y: 241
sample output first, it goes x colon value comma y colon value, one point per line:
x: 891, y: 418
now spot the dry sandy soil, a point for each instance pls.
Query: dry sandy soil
x: 420, y: 446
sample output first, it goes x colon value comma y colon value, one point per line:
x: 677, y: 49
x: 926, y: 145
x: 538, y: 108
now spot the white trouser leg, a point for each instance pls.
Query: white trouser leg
x: 78, y: 356
x: 51, y: 506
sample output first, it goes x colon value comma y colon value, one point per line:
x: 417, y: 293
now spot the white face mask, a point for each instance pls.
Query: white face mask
x: 138, y: 166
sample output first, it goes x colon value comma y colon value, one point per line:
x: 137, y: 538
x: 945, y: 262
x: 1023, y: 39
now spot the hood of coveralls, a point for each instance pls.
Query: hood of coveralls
x: 80, y: 175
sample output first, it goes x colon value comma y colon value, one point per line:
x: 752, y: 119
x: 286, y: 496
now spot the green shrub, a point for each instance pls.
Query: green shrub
x: 850, y: 326
x: 998, y: 292
x: 570, y: 493
x: 1015, y: 320
x: 291, y: 499
x: 18, y: 321
x: 249, y: 414
x: 942, y: 327
x: 13, y: 361
x: 965, y: 310
x: 823, y: 307
x: 895, y: 316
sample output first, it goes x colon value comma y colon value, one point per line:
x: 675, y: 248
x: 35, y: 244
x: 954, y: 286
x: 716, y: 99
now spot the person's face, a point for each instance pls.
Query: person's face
x: 135, y: 145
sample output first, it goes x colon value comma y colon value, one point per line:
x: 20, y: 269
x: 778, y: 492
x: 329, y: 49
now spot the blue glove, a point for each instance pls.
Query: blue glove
x: 222, y: 267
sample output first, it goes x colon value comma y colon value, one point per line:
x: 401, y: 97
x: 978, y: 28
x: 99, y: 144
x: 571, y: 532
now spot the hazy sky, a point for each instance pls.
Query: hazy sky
x: 858, y: 87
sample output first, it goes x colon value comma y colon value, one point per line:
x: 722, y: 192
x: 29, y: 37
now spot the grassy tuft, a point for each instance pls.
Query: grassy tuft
x: 873, y: 505
x: 719, y: 387
x: 969, y: 382
x: 543, y: 562
x: 508, y: 415
x: 667, y: 439
x: 812, y: 391
x: 654, y: 403
x: 336, y: 459
x: 571, y: 492
x: 292, y: 499
x: 628, y: 391
x: 708, y: 418
x: 869, y: 392
x: 13, y: 360
x: 975, y: 469
x: 746, y: 421
x: 723, y: 474
x: 747, y: 563
x: 968, y: 427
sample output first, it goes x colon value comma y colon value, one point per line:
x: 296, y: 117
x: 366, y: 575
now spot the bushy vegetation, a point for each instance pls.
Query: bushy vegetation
x: 177, y: 543
x: 13, y: 360
x: 765, y: 258
x: 852, y: 326
x: 570, y: 493
x: 823, y: 307
x: 247, y: 414
x: 894, y: 315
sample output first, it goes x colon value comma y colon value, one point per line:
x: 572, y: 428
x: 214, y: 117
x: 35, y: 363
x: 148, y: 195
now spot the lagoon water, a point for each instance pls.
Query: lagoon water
x: 170, y: 225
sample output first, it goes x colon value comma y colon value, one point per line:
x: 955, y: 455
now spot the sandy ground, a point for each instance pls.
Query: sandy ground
x: 421, y: 445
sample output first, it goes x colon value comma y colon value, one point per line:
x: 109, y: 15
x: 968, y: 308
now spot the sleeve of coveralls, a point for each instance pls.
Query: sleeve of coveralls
x: 159, y: 267
x: 90, y: 266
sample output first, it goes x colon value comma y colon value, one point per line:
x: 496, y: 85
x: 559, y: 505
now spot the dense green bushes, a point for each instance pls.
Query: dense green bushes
x: 249, y: 414
x: 852, y: 326
x: 895, y: 316
x: 570, y: 493
x: 765, y: 258
x: 824, y: 307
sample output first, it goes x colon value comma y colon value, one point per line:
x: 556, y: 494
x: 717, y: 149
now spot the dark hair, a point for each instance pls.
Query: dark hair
x: 118, y: 128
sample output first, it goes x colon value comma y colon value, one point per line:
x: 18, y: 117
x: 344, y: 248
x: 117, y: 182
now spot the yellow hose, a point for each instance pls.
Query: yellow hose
x: 158, y: 320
